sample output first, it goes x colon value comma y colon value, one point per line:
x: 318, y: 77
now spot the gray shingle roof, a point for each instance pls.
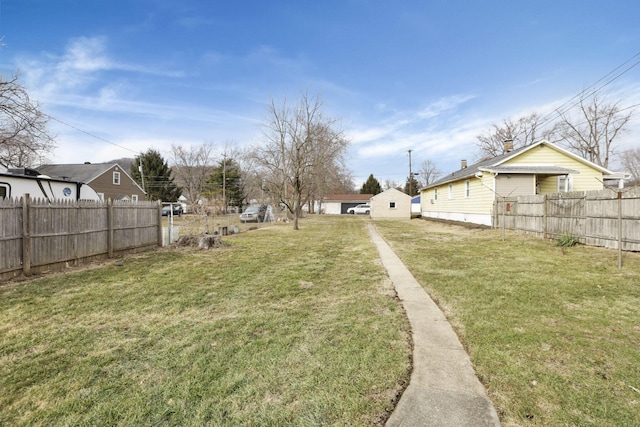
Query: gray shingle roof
x: 84, y: 172
x: 473, y: 169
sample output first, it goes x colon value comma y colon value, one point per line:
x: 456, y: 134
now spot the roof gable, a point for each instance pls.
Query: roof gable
x: 85, y: 172
x: 561, y: 150
x: 501, y: 161
x: 392, y: 190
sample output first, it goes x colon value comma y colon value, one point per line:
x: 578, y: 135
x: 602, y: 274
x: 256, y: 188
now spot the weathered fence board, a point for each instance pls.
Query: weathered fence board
x: 10, y: 234
x: 597, y: 218
x: 37, y: 235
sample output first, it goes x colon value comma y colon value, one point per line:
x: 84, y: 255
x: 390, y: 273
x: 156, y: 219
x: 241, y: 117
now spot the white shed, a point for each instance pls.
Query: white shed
x: 391, y: 204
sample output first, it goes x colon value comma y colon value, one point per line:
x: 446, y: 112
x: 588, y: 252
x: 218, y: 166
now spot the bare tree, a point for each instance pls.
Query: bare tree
x: 327, y: 157
x: 341, y: 182
x: 389, y: 183
x: 429, y: 172
x: 191, y: 168
x: 631, y: 163
x: 594, y: 130
x: 524, y: 131
x: 24, y: 139
x: 302, y: 146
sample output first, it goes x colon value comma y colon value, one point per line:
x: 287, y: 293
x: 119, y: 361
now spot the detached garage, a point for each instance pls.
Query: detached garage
x: 391, y: 204
x: 337, y: 204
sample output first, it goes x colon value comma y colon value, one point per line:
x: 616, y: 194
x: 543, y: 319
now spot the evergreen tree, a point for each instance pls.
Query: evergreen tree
x: 371, y: 186
x: 227, y: 170
x: 412, y: 186
x: 158, y: 182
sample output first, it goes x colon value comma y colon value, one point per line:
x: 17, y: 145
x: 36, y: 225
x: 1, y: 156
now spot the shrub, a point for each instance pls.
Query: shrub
x: 567, y: 240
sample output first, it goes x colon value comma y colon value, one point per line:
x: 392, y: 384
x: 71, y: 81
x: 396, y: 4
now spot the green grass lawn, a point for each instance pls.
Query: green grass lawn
x: 279, y: 328
x: 302, y: 328
x: 554, y: 335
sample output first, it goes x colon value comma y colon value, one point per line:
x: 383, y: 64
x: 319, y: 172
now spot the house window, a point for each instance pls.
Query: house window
x: 467, y: 188
x: 392, y: 205
x: 134, y: 197
x: 3, y: 191
x: 565, y: 183
x: 451, y: 191
x: 435, y: 194
x: 116, y: 178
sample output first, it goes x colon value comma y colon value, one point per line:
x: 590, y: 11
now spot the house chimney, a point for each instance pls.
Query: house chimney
x: 463, y: 164
x: 508, y: 145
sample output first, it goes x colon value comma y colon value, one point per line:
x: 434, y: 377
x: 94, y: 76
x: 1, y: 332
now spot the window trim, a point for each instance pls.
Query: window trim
x: 392, y: 205
x: 116, y: 178
x: 467, y: 188
x: 565, y: 183
x: 450, y: 191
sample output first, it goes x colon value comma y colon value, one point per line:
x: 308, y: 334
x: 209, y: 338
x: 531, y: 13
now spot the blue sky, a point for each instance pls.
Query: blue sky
x: 120, y: 77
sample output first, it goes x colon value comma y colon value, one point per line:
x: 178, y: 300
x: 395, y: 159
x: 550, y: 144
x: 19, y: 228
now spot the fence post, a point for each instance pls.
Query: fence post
x: 544, y: 216
x: 159, y: 208
x: 110, y: 228
x: 619, y: 230
x: 26, y: 236
x: 503, y: 218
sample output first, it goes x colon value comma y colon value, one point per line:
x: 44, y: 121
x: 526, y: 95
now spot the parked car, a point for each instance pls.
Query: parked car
x: 177, y: 209
x: 363, y: 208
x: 254, y: 213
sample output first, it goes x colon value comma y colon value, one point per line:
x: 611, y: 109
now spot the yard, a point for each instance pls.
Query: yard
x: 302, y: 328
x: 278, y: 328
x: 554, y: 334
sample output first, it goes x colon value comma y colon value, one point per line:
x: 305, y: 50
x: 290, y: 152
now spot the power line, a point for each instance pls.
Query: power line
x: 90, y: 134
x: 569, y: 104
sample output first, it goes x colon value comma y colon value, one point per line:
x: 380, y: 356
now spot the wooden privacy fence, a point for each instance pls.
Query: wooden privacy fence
x: 38, y: 235
x: 596, y: 218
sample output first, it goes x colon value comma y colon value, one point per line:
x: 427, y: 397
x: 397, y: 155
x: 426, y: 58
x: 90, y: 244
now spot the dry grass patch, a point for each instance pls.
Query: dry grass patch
x: 279, y: 328
x: 553, y: 334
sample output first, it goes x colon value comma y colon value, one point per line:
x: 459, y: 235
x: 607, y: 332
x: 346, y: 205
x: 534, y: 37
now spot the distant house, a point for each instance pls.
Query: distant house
x: 391, y: 204
x: 109, y: 180
x: 415, y: 206
x: 336, y: 204
x: 540, y: 168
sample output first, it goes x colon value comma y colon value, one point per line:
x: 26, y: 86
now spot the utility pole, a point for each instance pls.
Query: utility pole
x: 224, y: 182
x: 141, y: 174
x: 410, y: 175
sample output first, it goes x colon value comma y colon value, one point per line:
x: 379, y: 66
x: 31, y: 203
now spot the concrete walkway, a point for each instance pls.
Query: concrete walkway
x: 444, y: 389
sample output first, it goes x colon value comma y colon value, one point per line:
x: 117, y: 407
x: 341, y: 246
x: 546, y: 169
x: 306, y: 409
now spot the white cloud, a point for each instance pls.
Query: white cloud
x: 51, y: 77
x: 85, y: 54
x: 443, y: 105
x: 409, y: 129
